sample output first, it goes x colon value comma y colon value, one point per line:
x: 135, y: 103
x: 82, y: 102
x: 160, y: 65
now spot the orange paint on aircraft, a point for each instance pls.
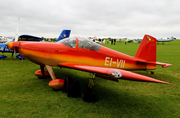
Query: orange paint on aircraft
x: 83, y: 54
x: 38, y: 73
x: 56, y: 84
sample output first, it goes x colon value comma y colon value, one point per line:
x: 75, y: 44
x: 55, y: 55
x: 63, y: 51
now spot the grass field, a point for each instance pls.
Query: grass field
x: 22, y: 94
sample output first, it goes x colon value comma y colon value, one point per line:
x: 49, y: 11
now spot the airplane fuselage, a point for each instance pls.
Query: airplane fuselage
x: 43, y: 53
x: 83, y: 54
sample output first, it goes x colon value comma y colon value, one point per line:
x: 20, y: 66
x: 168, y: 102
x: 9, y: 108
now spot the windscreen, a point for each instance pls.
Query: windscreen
x: 70, y: 42
x: 88, y: 44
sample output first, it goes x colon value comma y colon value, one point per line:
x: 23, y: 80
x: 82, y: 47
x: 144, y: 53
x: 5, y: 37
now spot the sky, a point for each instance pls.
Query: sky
x: 88, y: 18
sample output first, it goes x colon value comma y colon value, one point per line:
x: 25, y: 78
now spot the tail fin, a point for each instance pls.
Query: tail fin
x: 147, y: 49
x: 64, y: 34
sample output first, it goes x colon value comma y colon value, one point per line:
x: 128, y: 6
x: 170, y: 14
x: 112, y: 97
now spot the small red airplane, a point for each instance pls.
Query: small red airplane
x: 83, y: 54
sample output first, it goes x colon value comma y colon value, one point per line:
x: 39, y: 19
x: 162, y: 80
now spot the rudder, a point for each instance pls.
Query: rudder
x: 147, y: 49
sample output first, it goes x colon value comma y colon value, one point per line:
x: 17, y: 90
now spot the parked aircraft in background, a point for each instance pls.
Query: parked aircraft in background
x: 4, y: 39
x: 83, y: 54
x: 26, y: 37
x: 138, y: 40
x: 129, y: 40
x: 165, y: 40
x: 94, y: 39
x: 64, y: 34
x: 4, y: 48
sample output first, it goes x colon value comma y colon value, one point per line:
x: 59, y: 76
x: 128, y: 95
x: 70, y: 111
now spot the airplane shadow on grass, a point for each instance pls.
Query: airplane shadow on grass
x: 118, y: 101
x: 115, y: 99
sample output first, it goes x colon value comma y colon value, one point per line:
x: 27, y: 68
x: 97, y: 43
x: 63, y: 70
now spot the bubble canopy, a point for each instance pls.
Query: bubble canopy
x: 84, y: 43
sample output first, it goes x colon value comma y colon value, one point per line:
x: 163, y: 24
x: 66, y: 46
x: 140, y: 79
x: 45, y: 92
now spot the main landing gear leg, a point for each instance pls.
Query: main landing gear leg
x: 42, y: 70
x: 91, y: 82
x: 49, y: 68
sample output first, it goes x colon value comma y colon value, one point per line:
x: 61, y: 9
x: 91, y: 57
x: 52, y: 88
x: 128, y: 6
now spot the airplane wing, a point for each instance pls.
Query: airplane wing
x: 114, y: 73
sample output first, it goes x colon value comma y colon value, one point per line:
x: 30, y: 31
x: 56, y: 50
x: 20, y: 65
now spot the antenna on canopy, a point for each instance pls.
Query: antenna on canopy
x: 16, y: 37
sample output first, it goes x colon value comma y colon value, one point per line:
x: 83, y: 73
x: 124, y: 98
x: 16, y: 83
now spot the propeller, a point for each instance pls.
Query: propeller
x: 16, y: 39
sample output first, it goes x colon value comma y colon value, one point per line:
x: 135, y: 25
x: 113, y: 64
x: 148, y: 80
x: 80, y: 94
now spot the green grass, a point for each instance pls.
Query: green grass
x: 22, y: 94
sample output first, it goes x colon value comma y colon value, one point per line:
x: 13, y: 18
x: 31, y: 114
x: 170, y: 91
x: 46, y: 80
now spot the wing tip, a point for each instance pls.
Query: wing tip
x: 166, y: 65
x: 165, y: 83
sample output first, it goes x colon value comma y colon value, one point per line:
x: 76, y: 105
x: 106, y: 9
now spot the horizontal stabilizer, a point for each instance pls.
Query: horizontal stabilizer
x: 155, y: 63
x: 163, y: 64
